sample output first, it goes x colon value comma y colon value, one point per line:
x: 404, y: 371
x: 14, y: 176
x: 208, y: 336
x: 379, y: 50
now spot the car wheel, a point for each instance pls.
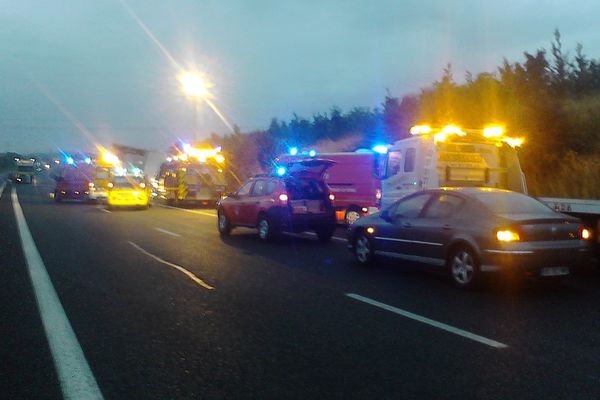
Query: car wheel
x: 265, y: 231
x: 352, y: 215
x: 223, y: 223
x: 324, y: 234
x: 463, y: 266
x: 363, y: 249
x: 57, y: 196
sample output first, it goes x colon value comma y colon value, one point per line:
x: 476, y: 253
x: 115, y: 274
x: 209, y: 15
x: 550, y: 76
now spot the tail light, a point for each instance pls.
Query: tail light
x: 332, y: 197
x: 585, y: 233
x: 283, y: 197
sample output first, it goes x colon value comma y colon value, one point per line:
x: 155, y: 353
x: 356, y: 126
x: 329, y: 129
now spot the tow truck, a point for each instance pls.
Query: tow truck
x: 192, y: 174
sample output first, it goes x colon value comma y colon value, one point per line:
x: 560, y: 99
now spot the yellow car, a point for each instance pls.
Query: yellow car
x: 127, y: 191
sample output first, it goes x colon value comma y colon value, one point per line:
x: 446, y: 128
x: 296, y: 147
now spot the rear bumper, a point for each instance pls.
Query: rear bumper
x: 127, y: 199
x: 304, y: 222
x: 536, y: 260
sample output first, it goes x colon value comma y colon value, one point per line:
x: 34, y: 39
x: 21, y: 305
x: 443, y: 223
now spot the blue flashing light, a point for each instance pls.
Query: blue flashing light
x: 312, y: 153
x: 381, y: 149
x: 87, y: 160
x: 281, y: 171
x: 293, y: 151
x: 70, y: 161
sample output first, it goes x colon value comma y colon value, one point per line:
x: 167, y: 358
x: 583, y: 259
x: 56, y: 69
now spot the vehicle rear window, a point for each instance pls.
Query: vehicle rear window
x: 308, y: 189
x: 123, y: 182
x: 511, y: 203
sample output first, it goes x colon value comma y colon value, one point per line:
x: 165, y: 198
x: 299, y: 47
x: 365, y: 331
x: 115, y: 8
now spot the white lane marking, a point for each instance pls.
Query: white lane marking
x: 177, y: 267
x: 74, y: 373
x: 105, y: 210
x: 166, y: 232
x: 2, y: 185
x: 431, y: 322
x: 190, y: 211
x: 339, y: 239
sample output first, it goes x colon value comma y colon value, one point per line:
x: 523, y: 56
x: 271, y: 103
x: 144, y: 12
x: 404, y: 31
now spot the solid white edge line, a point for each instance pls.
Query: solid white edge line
x: 2, y: 186
x: 190, y: 211
x: 166, y: 232
x: 74, y: 374
x: 177, y: 267
x: 431, y: 322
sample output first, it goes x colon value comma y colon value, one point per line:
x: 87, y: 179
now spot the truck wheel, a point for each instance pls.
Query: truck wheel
x: 352, y: 215
x: 223, y: 224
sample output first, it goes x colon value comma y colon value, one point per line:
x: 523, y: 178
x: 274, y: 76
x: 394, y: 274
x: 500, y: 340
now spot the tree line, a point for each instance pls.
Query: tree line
x: 551, y: 98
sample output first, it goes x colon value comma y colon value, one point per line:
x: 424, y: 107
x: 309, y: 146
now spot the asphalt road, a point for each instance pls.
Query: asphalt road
x: 162, y: 307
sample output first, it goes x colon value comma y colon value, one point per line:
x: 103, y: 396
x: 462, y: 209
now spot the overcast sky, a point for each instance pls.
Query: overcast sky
x: 74, y: 72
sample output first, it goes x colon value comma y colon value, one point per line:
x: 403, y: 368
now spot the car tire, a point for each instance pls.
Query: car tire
x: 352, y: 215
x: 223, y: 224
x: 324, y: 235
x: 265, y: 229
x: 463, y: 266
x: 363, y: 249
x: 57, y: 196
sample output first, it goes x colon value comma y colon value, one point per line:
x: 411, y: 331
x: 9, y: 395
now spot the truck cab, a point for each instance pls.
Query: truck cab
x: 459, y: 159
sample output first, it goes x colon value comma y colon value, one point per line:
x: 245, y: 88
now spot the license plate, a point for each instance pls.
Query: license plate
x: 555, y: 271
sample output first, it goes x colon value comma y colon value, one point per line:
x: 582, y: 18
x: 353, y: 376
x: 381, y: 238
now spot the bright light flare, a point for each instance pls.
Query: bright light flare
x: 507, y: 236
x: 381, y: 149
x: 110, y: 158
x: 513, y: 142
x: 493, y: 132
x: 312, y: 153
x: 585, y: 234
x: 293, y: 151
x: 281, y: 171
x: 194, y: 85
x: 420, y: 130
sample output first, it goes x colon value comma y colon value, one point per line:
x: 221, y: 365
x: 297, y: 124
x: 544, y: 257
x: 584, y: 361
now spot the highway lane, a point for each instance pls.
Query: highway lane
x: 278, y: 323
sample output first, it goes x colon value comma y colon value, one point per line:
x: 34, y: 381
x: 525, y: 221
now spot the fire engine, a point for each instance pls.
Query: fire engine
x: 193, y: 175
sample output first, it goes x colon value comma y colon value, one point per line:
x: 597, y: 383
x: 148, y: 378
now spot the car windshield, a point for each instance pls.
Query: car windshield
x: 126, y: 182
x: 512, y: 203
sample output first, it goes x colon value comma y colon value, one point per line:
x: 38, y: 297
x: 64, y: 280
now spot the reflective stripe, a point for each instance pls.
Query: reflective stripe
x: 427, y: 260
x: 509, y: 251
x: 407, y: 241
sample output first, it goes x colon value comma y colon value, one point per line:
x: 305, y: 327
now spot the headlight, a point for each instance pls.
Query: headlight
x: 507, y: 236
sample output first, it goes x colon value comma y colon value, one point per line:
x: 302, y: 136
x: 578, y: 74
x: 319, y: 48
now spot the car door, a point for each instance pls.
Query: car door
x: 238, y: 205
x: 432, y: 230
x: 394, y: 235
x: 252, y: 207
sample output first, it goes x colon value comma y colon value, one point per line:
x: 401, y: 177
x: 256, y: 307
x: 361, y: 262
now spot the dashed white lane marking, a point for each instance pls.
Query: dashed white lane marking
x: 431, y: 322
x: 177, y: 267
x: 105, y: 210
x: 166, y: 232
x: 190, y: 211
x: 74, y: 373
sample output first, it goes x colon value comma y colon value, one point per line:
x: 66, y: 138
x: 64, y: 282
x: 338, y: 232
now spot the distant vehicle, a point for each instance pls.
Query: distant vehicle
x: 471, y: 231
x: 73, y: 183
x: 295, y: 199
x: 193, y: 176
x: 354, y: 179
x: 101, y: 176
x: 25, y: 172
x: 128, y: 191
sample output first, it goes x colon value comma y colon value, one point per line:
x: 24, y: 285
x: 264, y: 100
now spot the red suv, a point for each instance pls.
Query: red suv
x: 296, y: 199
